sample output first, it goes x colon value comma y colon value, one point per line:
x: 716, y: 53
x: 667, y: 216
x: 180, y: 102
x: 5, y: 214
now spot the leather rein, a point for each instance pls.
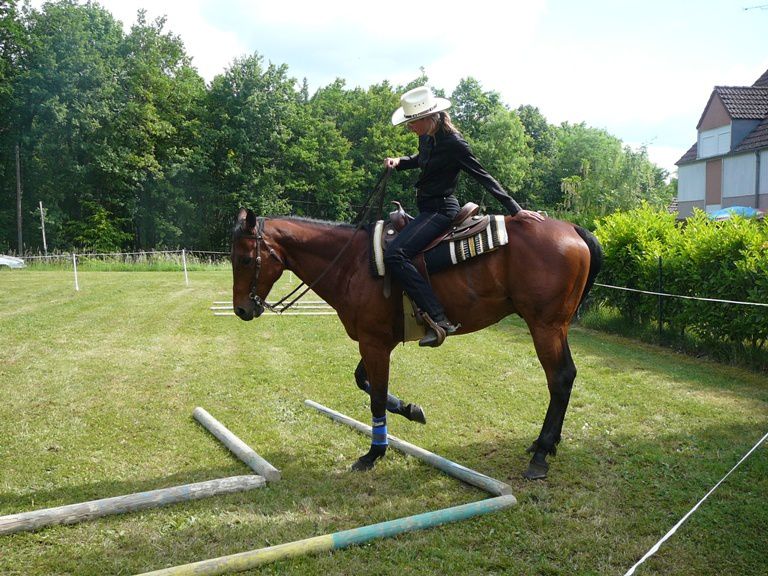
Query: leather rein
x: 280, y: 306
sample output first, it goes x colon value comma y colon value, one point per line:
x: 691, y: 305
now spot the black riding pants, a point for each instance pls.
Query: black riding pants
x: 413, y: 239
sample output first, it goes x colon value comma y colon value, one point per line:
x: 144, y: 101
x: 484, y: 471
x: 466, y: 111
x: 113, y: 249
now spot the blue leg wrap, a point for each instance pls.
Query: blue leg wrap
x: 379, y: 436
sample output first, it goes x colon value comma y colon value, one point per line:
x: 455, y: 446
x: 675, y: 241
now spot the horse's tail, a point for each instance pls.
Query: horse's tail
x: 595, y: 258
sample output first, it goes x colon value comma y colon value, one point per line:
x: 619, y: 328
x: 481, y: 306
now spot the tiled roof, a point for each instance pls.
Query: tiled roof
x: 763, y: 80
x: 744, y: 102
x: 755, y: 140
x: 689, y: 156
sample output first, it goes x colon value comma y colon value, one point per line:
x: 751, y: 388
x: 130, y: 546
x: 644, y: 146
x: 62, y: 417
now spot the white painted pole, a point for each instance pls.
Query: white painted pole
x: 184, y: 261
x: 491, y: 485
x: 42, y: 227
x: 74, y: 264
x: 236, y: 446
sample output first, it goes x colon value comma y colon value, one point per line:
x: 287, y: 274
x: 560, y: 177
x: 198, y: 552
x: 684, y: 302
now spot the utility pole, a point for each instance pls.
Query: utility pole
x: 18, y: 201
x: 42, y: 227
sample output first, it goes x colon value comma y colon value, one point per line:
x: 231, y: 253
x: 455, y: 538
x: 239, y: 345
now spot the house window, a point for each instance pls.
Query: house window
x: 714, y: 185
x: 715, y: 142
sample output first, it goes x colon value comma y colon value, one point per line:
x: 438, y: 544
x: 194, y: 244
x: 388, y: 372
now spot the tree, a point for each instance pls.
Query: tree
x: 320, y: 179
x: 471, y: 106
x: 599, y: 175
x: 363, y: 119
x: 250, y: 110
x: 542, y: 140
x: 155, y: 134
x: 501, y: 146
x: 12, y: 42
x: 64, y: 96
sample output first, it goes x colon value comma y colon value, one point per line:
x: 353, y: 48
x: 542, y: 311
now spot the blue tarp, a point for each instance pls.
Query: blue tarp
x: 743, y: 211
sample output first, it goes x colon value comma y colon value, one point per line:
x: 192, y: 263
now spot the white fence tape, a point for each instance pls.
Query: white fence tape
x: 666, y: 536
x: 680, y: 296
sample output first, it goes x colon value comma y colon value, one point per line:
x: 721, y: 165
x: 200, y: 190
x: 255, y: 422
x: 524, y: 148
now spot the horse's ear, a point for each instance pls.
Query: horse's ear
x: 246, y: 220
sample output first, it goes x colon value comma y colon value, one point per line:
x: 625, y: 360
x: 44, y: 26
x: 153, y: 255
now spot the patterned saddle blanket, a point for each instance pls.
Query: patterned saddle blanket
x: 471, y: 235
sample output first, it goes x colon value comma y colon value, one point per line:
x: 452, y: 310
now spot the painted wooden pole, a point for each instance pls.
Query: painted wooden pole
x: 490, y: 485
x: 236, y: 446
x: 72, y: 513
x: 253, y: 558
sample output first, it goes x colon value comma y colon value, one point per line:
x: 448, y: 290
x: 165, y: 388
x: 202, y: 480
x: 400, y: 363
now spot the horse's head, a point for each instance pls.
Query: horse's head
x: 255, y: 266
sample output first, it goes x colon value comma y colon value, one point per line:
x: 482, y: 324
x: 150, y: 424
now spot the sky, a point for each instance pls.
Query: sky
x: 642, y: 70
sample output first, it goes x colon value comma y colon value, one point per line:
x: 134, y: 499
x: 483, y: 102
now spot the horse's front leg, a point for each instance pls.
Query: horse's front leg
x: 375, y: 359
x: 413, y: 412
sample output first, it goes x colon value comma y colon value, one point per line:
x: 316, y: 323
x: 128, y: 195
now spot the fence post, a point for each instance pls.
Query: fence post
x: 661, y: 303
x: 74, y: 264
x: 184, y: 261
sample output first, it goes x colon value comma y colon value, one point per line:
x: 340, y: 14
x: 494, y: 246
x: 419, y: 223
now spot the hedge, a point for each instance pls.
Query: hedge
x: 648, y: 249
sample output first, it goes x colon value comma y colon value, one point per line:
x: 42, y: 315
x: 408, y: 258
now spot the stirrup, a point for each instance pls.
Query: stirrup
x: 436, y: 332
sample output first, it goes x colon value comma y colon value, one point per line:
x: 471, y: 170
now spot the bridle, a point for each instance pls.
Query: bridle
x: 258, y: 235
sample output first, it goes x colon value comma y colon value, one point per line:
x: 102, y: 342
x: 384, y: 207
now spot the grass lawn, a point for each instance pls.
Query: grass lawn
x: 98, y: 388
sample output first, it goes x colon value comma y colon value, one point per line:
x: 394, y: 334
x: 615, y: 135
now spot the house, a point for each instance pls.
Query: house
x: 728, y: 164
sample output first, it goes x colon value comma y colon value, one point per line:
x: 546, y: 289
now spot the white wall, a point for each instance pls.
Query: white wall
x: 764, y: 172
x: 691, y: 180
x: 739, y: 175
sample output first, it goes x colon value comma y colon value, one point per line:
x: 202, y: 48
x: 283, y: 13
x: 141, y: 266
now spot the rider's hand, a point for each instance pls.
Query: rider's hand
x: 391, y: 162
x: 529, y: 215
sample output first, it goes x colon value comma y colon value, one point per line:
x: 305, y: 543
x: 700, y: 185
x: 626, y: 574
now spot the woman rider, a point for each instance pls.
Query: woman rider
x: 442, y: 154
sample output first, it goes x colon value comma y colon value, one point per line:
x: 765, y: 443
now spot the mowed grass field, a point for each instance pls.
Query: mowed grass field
x: 97, y: 390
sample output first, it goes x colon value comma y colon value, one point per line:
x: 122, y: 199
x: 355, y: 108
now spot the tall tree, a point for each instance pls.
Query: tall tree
x: 542, y: 140
x: 12, y: 42
x: 501, y: 145
x: 249, y: 113
x: 472, y: 106
x: 155, y: 133
x: 66, y: 95
x: 599, y: 175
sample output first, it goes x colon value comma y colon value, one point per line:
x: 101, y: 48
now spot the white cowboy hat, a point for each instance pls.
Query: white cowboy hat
x: 418, y: 103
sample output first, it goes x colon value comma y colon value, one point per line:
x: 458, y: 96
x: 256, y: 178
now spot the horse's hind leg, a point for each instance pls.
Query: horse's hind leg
x: 555, y: 357
x: 411, y: 411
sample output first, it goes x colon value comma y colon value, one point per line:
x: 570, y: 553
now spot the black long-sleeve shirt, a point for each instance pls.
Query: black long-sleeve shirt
x: 441, y: 158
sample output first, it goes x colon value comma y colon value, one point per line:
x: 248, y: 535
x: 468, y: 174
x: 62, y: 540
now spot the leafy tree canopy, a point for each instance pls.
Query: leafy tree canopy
x: 127, y: 147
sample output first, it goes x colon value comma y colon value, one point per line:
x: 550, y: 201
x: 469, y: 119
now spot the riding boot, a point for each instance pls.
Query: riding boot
x: 437, y: 332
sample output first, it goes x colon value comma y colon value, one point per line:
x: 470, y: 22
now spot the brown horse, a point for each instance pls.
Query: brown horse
x: 542, y: 274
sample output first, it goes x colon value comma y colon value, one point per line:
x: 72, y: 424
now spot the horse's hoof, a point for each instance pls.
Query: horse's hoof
x: 363, y: 465
x: 368, y: 460
x: 415, y: 413
x: 536, y: 471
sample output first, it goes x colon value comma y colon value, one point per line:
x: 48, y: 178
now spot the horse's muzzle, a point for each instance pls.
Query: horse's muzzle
x: 250, y: 311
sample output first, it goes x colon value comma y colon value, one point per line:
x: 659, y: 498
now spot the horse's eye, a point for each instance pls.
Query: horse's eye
x: 246, y: 260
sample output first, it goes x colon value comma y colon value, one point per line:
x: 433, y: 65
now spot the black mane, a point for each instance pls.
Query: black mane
x: 319, y: 222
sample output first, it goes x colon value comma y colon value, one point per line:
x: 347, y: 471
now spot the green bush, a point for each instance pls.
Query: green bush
x: 647, y: 249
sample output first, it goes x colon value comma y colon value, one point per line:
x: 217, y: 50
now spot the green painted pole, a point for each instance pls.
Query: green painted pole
x: 72, y: 513
x: 251, y: 559
x: 490, y: 485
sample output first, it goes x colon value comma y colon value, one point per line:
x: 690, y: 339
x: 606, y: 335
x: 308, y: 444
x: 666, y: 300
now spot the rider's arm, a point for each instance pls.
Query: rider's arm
x: 472, y: 166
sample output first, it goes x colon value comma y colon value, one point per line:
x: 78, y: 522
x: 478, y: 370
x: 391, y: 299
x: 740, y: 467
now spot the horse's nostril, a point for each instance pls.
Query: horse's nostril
x: 240, y: 311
